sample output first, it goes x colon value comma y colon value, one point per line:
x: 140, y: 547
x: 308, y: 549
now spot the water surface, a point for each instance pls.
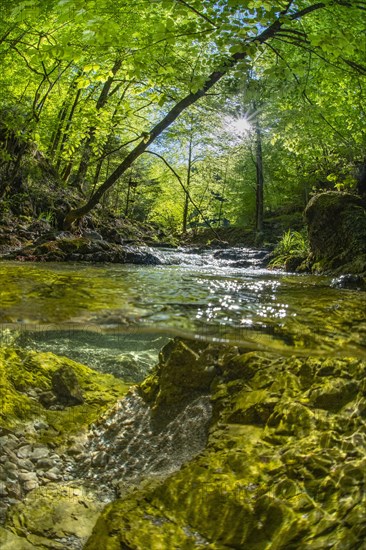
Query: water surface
x: 118, y: 316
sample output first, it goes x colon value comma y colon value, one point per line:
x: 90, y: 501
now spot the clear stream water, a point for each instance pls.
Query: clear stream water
x: 116, y: 317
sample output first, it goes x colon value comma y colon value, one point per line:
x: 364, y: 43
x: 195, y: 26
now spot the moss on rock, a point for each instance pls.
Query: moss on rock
x: 26, y: 377
x: 51, y: 514
x: 337, y: 232
x: 284, y: 463
x: 11, y: 541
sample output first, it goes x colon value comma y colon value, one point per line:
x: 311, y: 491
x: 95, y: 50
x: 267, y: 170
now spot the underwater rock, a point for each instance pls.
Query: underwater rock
x: 66, y: 386
x: 11, y: 541
x: 55, y: 516
x: 283, y: 466
x: 349, y: 282
x: 33, y: 435
x: 337, y: 232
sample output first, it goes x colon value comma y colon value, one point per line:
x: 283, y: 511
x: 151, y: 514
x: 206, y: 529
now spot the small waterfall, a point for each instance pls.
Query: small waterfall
x: 249, y: 258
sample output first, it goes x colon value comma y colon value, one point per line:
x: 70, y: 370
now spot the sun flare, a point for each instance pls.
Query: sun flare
x: 238, y: 126
x: 241, y: 125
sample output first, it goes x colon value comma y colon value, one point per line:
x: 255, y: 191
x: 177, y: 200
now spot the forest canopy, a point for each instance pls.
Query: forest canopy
x: 182, y: 112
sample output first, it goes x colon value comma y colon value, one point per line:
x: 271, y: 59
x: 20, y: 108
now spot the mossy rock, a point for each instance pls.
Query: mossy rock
x: 52, y: 513
x: 337, y: 232
x: 283, y: 467
x: 11, y: 541
x: 25, y: 376
x: 183, y: 372
x: 65, y: 386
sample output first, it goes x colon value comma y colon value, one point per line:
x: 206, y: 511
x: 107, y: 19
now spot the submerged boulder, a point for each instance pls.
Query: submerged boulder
x: 337, y: 233
x: 54, y: 516
x: 66, y: 386
x: 349, y: 282
x: 32, y: 382
x: 47, y: 403
x: 284, y: 465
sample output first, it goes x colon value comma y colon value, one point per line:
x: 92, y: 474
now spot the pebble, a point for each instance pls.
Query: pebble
x: 14, y: 490
x: 11, y: 455
x: 30, y: 485
x: 7, y: 442
x: 28, y: 476
x: 10, y: 466
x: 12, y: 475
x: 41, y: 452
x: 75, y: 450
x: 40, y: 425
x: 52, y: 476
x: 25, y: 464
x: 45, y: 463
x: 24, y: 452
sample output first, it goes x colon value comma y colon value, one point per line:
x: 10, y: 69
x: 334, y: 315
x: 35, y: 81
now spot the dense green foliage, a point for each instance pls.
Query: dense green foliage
x: 88, y: 87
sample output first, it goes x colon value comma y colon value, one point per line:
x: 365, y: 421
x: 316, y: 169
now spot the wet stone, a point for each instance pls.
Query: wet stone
x: 30, y: 485
x: 27, y: 476
x: 75, y: 450
x: 7, y: 442
x: 25, y: 464
x: 45, y: 463
x: 14, y: 490
x: 10, y: 466
x: 24, y: 452
x: 41, y: 452
x: 53, y: 476
x: 12, y: 474
x: 13, y: 457
x: 40, y: 425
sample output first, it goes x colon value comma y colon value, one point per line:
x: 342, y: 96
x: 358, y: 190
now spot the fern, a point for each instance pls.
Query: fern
x: 292, y: 244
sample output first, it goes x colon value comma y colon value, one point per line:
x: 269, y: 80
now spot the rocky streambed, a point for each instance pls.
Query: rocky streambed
x: 219, y: 447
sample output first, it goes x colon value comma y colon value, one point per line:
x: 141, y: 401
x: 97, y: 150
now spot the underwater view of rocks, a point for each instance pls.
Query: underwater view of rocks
x: 222, y: 407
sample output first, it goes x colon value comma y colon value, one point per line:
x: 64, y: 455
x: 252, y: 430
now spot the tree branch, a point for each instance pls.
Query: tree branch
x: 198, y: 13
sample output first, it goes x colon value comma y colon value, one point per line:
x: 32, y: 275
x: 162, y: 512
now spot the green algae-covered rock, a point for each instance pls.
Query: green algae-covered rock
x: 27, y: 384
x: 51, y: 514
x: 65, y: 386
x: 11, y: 541
x: 284, y: 466
x: 182, y: 372
x: 337, y: 232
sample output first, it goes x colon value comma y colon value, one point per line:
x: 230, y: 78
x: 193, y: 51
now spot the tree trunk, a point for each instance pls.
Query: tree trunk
x: 87, y: 150
x: 67, y: 127
x: 223, y: 191
x: 259, y: 181
x: 57, y: 134
x: 188, y: 182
